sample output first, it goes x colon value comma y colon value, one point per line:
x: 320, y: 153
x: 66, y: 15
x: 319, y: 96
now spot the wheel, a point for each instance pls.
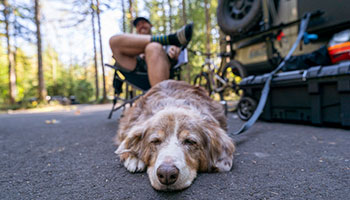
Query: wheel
x: 238, y: 16
x: 202, y: 80
x: 246, y: 108
x: 232, y: 73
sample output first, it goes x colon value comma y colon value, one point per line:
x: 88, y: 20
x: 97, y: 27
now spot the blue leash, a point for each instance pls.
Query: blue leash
x: 266, y: 89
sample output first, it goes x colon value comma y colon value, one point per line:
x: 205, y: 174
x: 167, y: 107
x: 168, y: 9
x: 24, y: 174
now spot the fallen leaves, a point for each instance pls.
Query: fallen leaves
x: 52, y: 121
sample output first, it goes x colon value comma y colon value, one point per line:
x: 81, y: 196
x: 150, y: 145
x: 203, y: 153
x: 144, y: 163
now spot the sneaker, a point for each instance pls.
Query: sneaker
x: 184, y: 35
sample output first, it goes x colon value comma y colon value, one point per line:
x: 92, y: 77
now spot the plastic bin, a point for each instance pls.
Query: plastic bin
x: 319, y: 95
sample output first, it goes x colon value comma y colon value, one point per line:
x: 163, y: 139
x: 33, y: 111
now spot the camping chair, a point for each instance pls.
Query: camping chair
x: 138, y: 81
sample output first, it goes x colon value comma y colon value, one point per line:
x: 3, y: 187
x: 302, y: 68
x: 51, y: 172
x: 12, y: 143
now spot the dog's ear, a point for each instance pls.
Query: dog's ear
x: 130, y: 145
x: 220, y: 149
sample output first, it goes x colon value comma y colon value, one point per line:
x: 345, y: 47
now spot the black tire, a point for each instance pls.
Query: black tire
x: 238, y: 16
x: 202, y: 80
x: 232, y: 73
x: 246, y: 108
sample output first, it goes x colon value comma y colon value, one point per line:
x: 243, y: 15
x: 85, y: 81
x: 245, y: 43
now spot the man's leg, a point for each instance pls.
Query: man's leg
x: 158, y: 65
x: 126, y: 47
x: 181, y: 38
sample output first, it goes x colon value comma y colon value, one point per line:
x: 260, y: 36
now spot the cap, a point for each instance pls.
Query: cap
x: 139, y: 19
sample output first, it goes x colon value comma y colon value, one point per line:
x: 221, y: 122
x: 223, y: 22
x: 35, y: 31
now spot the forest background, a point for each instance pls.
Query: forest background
x: 59, y: 47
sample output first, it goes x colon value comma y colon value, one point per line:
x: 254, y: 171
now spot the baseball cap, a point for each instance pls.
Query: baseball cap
x: 139, y: 19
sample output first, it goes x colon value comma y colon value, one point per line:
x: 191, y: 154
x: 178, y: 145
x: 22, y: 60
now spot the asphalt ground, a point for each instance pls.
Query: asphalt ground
x: 69, y: 155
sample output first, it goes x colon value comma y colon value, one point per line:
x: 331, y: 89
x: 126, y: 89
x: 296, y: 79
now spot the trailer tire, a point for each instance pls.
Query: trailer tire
x: 246, y: 108
x: 238, y: 16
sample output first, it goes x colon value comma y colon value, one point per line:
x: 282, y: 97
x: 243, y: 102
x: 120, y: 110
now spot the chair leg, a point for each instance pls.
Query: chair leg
x: 111, y: 113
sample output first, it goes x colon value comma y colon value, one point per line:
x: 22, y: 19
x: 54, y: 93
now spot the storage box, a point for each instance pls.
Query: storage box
x: 339, y: 52
x: 320, y: 95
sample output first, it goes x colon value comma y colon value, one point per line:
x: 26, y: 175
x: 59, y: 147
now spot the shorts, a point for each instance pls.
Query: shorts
x: 141, y: 65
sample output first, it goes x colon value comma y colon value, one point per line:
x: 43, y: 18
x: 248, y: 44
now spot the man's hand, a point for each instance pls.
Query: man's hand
x: 174, y: 52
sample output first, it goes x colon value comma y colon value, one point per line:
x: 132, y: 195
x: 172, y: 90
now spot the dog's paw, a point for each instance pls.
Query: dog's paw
x: 224, y: 164
x: 133, y: 164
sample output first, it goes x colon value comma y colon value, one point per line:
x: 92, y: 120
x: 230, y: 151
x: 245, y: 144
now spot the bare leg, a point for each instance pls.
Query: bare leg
x: 158, y: 65
x: 126, y: 47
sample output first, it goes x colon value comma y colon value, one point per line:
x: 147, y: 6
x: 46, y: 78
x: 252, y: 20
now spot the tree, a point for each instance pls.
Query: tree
x: 41, y: 88
x: 164, y: 19
x: 123, y: 20
x: 184, y: 17
x: 97, y: 91
x: 223, y: 47
x: 208, y: 27
x: 101, y: 50
x: 170, y: 15
x: 10, y: 54
x: 130, y: 17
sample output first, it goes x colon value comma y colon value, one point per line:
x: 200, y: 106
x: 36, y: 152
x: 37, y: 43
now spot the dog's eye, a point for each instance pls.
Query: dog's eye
x: 189, y: 142
x: 156, y: 141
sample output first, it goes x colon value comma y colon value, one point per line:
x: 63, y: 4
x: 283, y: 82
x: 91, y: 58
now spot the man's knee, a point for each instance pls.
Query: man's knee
x: 115, y: 40
x: 154, y: 47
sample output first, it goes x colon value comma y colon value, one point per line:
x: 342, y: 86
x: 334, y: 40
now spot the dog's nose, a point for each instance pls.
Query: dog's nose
x: 167, y: 174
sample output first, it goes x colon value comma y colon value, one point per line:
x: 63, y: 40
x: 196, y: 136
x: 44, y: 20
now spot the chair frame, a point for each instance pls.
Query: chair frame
x: 175, y: 73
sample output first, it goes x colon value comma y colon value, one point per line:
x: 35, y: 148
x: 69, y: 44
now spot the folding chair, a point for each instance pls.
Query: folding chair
x: 138, y: 81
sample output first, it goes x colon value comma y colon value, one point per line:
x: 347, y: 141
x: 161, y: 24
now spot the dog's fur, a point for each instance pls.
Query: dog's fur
x: 178, y: 124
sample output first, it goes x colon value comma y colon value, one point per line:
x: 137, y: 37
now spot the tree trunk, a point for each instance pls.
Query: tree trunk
x: 130, y: 17
x: 123, y: 8
x: 207, y: 25
x: 12, y: 74
x: 16, y: 31
x: 41, y: 88
x: 223, y: 48
x: 101, y: 51
x: 164, y: 19
x: 184, y: 10
x: 184, y: 17
x: 95, y: 51
x: 170, y: 16
x: 135, y: 8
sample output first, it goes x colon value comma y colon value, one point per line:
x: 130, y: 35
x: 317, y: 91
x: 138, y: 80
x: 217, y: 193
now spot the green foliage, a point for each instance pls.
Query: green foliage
x: 79, y: 81
x: 84, y: 91
x: 3, y: 75
x: 26, y: 76
x: 195, y: 12
x: 60, y: 80
x: 81, y: 89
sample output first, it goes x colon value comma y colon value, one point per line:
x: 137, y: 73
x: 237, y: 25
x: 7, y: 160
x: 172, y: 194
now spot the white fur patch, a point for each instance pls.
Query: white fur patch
x: 132, y: 164
x: 224, y: 164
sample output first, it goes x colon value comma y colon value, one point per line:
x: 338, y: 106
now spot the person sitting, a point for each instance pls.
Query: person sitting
x: 144, y: 52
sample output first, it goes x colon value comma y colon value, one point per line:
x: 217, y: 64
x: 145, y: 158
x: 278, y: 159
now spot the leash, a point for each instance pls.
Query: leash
x: 266, y: 89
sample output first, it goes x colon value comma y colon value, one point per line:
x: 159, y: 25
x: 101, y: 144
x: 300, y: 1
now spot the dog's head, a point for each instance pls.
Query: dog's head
x: 175, y: 144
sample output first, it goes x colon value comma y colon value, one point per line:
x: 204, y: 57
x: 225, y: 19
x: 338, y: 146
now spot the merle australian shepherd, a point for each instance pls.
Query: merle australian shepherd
x: 174, y: 131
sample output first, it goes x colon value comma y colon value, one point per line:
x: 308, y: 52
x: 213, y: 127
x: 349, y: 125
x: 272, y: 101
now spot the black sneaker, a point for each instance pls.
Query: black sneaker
x: 184, y: 35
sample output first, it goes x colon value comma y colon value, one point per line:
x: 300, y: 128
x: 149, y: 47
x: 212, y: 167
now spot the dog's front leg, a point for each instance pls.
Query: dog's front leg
x: 131, y: 162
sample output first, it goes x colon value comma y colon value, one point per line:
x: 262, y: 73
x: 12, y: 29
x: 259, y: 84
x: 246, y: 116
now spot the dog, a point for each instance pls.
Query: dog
x: 174, y: 131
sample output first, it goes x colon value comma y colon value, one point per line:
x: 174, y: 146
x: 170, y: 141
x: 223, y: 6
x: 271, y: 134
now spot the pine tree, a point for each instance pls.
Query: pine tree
x: 97, y: 91
x: 41, y: 87
x: 10, y: 55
